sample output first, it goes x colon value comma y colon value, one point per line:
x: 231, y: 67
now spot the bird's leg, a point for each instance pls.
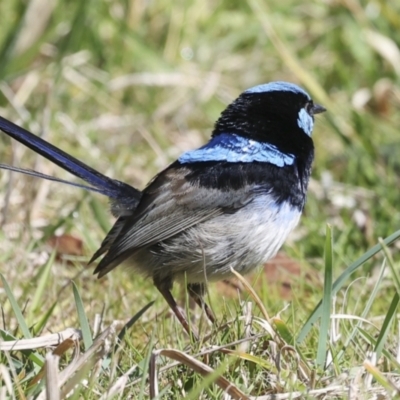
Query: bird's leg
x: 196, y: 292
x: 164, y: 286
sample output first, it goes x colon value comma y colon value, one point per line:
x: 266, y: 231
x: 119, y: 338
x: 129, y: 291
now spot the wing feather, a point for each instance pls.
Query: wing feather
x: 169, y: 205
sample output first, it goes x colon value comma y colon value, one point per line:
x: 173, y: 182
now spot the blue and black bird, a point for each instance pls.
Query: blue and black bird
x: 229, y: 204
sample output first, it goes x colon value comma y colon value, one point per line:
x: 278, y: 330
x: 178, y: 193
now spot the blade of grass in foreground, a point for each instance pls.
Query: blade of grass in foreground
x: 35, y: 357
x: 365, y: 312
x: 132, y: 321
x: 326, y: 301
x: 340, y: 282
x: 39, y: 293
x: 386, y: 352
x: 146, y: 365
x: 39, y: 325
x: 17, y: 311
x: 83, y: 321
x: 395, y: 275
x: 387, y: 323
x: 208, y: 381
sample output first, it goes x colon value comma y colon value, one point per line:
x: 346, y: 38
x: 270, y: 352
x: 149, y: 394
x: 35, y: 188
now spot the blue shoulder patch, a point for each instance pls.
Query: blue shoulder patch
x: 234, y: 148
x: 278, y: 86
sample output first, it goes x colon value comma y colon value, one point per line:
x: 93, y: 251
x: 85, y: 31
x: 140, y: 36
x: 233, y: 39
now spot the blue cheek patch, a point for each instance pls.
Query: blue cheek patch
x: 305, y: 121
x: 234, y: 148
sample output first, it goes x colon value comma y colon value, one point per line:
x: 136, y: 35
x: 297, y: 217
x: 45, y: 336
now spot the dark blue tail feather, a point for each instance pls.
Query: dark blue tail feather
x: 122, y: 195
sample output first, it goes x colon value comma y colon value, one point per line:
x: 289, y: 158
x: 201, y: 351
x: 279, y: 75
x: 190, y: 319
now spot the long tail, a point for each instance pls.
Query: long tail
x: 124, y: 197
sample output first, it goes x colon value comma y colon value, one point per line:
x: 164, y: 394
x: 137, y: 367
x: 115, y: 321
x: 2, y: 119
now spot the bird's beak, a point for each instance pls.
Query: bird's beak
x: 317, y: 109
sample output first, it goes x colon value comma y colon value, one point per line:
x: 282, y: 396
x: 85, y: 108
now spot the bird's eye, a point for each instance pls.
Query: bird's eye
x: 309, y: 107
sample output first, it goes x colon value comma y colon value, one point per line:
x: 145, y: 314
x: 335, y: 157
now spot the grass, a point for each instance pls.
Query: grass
x: 126, y: 87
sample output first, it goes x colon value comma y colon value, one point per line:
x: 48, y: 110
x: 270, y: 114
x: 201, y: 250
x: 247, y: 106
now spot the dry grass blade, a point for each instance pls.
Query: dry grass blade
x: 118, y: 386
x: 98, y: 342
x: 15, y: 377
x: 52, y: 387
x: 393, y: 390
x: 386, y: 47
x: 202, y: 369
x: 247, y: 311
x: 61, y: 349
x: 223, y: 349
x: 253, y: 294
x: 151, y: 79
x: 328, y: 391
x: 78, y: 380
x: 53, y: 339
x: 6, y: 381
x: 81, y: 362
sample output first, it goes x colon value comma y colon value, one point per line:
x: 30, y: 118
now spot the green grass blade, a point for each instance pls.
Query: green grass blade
x: 132, y: 321
x: 326, y: 301
x: 33, y: 356
x: 40, y: 287
x: 83, y: 321
x: 341, y: 281
x: 145, y: 366
x: 365, y: 312
x: 395, y: 275
x: 283, y: 331
x: 387, y: 353
x: 44, y: 318
x: 8, y: 45
x: 17, y: 311
x: 387, y: 323
x: 208, y: 381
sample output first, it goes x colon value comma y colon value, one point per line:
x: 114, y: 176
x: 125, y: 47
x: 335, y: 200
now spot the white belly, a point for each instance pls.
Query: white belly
x: 242, y: 241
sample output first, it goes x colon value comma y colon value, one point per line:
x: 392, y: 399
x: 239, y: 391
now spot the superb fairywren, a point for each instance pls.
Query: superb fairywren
x: 229, y: 204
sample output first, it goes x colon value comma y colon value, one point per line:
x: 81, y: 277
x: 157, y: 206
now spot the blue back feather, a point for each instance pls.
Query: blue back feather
x: 234, y: 148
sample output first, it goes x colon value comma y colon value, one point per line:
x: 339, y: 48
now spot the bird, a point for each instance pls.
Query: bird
x: 228, y: 205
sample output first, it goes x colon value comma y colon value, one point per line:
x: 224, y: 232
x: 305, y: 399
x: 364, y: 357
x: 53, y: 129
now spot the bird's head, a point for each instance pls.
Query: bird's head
x: 267, y: 123
x: 278, y: 113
